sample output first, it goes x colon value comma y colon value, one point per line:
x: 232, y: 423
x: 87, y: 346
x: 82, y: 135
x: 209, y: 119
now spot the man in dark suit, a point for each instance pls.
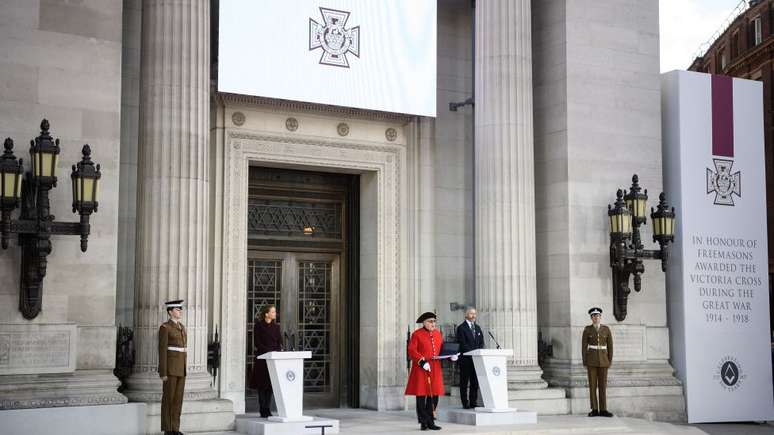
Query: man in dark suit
x: 470, y: 337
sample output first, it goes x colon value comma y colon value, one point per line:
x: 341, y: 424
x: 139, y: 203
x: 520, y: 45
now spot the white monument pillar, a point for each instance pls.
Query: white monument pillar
x: 505, y: 186
x: 172, y: 202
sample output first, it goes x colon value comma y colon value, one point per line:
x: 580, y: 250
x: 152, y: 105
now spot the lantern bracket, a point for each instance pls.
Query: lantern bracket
x: 627, y: 252
x: 36, y: 224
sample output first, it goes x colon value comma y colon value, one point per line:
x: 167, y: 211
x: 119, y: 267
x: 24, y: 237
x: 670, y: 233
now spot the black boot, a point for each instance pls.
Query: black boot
x: 605, y: 413
x: 422, y: 426
x: 432, y: 426
x: 594, y: 413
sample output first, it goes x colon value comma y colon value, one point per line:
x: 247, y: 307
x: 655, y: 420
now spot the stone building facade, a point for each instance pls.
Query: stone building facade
x: 500, y: 205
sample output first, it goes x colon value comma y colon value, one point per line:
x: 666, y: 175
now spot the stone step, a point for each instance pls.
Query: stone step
x: 213, y: 415
x: 662, y: 403
x: 555, y: 406
x: 544, y: 401
x: 541, y: 394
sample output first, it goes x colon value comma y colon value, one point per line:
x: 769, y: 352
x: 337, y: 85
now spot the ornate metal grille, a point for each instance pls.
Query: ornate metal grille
x: 314, y: 327
x: 264, y: 284
x: 273, y: 217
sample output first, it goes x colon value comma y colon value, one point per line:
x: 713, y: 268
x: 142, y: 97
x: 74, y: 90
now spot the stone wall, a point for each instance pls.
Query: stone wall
x: 62, y: 61
x: 597, y: 122
x: 452, y: 167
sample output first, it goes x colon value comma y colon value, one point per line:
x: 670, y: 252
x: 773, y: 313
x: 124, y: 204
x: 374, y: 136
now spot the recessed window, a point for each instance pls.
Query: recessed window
x: 735, y: 45
x: 757, y: 30
x: 723, y: 59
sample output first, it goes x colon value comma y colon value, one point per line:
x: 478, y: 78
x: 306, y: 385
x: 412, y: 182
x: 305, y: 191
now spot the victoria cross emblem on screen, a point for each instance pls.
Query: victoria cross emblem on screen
x: 723, y: 183
x: 334, y: 38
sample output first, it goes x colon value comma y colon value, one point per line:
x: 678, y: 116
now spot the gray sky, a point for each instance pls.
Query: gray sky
x: 685, y: 25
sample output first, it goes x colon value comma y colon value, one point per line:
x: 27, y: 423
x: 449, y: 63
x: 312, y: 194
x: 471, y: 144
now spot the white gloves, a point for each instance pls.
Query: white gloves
x: 425, y: 365
x: 455, y: 357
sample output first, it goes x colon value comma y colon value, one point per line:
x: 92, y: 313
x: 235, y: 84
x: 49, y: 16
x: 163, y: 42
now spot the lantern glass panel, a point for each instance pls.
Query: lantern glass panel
x: 627, y: 223
x: 670, y: 227
x: 96, y: 190
x: 11, y: 185
x: 641, y: 207
x: 44, y: 164
x: 87, y: 189
x: 613, y: 223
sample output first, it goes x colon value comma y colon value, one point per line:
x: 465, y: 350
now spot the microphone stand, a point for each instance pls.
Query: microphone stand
x: 494, y: 339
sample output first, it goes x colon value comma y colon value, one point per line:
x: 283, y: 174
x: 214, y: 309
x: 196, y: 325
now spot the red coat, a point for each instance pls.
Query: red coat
x: 425, y: 344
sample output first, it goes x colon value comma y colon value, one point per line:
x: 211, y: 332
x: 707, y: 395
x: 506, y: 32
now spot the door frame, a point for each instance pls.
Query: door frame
x: 385, y: 300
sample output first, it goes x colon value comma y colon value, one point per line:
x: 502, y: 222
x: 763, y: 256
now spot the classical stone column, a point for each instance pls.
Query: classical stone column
x: 172, y: 191
x: 505, y: 186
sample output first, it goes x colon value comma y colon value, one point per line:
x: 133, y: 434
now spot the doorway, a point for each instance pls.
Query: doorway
x: 302, y: 243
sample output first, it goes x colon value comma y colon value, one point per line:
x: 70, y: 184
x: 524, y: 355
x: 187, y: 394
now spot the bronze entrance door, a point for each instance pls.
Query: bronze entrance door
x: 303, y: 258
x: 304, y: 287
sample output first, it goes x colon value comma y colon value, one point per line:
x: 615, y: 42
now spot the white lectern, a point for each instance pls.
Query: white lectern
x: 492, y: 374
x: 286, y: 370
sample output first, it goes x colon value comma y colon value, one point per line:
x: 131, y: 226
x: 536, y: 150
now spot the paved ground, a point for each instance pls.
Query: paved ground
x: 364, y: 422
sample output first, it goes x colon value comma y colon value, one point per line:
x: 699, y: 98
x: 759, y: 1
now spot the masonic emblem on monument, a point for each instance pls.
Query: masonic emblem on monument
x: 333, y: 38
x: 723, y: 182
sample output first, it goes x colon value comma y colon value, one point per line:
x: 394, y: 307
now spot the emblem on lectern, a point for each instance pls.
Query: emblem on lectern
x: 496, y: 371
x: 333, y: 38
x: 291, y: 375
x: 723, y: 183
x: 729, y: 373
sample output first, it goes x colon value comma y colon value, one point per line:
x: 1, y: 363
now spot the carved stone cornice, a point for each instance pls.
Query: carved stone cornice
x: 312, y: 108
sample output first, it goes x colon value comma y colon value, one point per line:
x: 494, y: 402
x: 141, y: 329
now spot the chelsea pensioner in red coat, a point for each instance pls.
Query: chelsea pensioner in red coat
x: 424, y: 345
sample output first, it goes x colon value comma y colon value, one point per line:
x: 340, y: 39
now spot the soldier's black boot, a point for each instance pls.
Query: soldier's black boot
x: 605, y: 413
x: 594, y: 413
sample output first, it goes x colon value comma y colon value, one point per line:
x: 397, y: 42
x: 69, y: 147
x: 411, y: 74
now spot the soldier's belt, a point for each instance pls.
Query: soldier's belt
x: 594, y: 346
x: 176, y: 349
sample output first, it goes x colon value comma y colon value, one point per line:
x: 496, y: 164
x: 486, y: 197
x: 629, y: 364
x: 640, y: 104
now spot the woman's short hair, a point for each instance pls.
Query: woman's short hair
x: 264, y: 311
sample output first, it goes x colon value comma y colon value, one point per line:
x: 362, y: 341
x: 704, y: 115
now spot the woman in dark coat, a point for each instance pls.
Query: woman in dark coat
x: 266, y: 338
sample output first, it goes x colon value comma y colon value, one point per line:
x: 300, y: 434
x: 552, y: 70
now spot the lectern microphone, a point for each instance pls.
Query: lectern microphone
x: 494, y: 339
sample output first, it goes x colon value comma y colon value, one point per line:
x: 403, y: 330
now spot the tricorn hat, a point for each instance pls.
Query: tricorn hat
x: 595, y: 310
x: 173, y: 304
x: 425, y: 316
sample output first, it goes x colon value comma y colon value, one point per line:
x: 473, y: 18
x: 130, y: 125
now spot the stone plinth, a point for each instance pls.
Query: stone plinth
x: 126, y: 419
x: 475, y: 418
x: 251, y: 425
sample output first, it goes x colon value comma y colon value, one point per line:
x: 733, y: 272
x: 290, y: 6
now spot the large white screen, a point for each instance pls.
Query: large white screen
x: 292, y: 49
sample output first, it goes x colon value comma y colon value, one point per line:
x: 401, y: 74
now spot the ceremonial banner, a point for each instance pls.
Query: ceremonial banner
x: 717, y: 280
x: 368, y: 54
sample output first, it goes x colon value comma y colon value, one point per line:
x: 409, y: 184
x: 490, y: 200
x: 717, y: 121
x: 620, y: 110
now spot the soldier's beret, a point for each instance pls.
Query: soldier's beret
x: 595, y: 310
x: 426, y: 316
x: 173, y: 304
